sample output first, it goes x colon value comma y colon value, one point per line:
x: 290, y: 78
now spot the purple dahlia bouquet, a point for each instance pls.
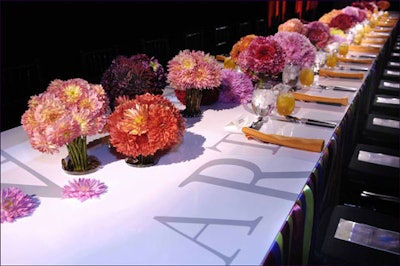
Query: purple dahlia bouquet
x: 298, y: 48
x: 131, y: 76
x: 236, y: 87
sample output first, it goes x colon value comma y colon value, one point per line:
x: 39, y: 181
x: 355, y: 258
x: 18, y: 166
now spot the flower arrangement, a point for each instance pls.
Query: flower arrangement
x: 145, y: 125
x: 358, y: 14
x: 338, y: 35
x: 236, y: 87
x: 293, y: 25
x: 83, y: 189
x: 327, y: 17
x: 318, y: 33
x: 133, y: 76
x: 342, y: 21
x: 16, y: 204
x: 65, y: 114
x: 240, y: 46
x: 194, y: 70
x: 264, y: 57
x: 298, y: 48
x: 383, y: 5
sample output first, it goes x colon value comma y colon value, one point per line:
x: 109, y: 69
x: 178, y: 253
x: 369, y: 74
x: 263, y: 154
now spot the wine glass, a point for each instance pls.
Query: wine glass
x: 331, y: 59
x: 263, y: 102
x: 290, y: 74
x: 343, y: 49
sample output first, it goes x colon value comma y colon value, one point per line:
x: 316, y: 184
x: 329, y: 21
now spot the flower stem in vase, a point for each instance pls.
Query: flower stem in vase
x: 78, y: 160
x: 193, y: 102
x: 142, y: 161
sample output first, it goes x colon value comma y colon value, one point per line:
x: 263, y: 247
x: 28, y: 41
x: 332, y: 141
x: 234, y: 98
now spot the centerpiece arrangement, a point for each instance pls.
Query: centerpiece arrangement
x: 131, y: 76
x: 145, y: 126
x: 193, y: 71
x: 65, y: 114
x: 240, y: 46
x: 236, y: 87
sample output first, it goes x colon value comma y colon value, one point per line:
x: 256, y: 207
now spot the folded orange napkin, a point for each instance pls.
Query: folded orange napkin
x: 220, y: 58
x: 381, y: 30
x: 315, y: 145
x: 364, y: 49
x: 377, y: 36
x: 313, y: 98
x: 388, y: 23
x: 341, y: 74
x: 355, y: 60
x: 373, y: 41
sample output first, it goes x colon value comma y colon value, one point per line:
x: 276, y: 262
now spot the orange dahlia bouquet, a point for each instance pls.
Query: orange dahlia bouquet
x: 240, y: 46
x: 145, y: 125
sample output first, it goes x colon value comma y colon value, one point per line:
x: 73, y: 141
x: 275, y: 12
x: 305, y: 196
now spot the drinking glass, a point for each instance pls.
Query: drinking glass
x: 285, y: 101
x: 331, y: 59
x: 306, y: 77
x: 263, y: 101
x: 343, y: 49
x: 290, y: 74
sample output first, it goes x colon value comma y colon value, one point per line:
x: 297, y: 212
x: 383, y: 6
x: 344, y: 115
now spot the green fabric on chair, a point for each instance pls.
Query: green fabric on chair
x: 308, y: 223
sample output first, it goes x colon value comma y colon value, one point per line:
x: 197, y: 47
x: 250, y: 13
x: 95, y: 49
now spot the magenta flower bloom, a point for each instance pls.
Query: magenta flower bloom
x: 236, y: 87
x: 318, y: 33
x: 84, y: 188
x: 298, y: 48
x: 16, y: 204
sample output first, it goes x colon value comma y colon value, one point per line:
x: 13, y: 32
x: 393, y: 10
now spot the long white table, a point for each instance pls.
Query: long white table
x: 218, y: 199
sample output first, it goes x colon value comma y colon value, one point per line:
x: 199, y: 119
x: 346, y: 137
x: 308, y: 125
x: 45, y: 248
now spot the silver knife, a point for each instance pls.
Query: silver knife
x: 353, y: 68
x: 308, y: 121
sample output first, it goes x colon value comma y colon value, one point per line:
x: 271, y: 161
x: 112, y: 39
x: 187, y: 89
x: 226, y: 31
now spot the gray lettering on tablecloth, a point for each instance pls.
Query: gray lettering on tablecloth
x: 250, y: 187
x: 50, y: 190
x: 168, y: 220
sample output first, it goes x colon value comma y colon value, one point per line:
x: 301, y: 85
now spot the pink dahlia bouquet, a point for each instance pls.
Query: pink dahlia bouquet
x: 319, y: 34
x: 264, y: 57
x: 65, y: 114
x: 194, y: 70
x: 236, y: 87
x: 145, y: 125
x: 298, y: 48
x: 358, y: 14
x: 342, y: 21
x: 133, y: 76
x: 293, y: 25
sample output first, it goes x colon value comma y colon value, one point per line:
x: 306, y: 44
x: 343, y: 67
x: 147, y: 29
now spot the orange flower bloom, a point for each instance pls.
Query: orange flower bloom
x: 240, y: 46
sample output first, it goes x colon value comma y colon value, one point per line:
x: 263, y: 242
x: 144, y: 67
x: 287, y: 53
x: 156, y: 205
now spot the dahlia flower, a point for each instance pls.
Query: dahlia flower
x: 240, y: 46
x: 293, y: 25
x: 16, y: 204
x: 318, y: 34
x: 298, y: 48
x: 264, y: 57
x: 65, y: 111
x: 236, y: 87
x: 145, y: 125
x: 133, y: 76
x: 83, y: 189
x: 383, y: 5
x: 342, y: 21
x: 327, y: 17
x: 194, y: 70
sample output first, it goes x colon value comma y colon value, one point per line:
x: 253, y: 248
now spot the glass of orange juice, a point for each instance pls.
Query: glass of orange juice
x: 285, y: 102
x: 331, y: 59
x: 306, y: 76
x: 343, y: 49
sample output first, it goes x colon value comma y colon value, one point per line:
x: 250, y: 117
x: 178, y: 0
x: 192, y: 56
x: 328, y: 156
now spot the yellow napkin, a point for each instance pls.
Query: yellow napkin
x: 355, y: 60
x: 375, y: 36
x: 373, y: 41
x: 364, y: 49
x: 388, y: 23
x: 341, y: 74
x: 313, y: 98
x: 315, y: 145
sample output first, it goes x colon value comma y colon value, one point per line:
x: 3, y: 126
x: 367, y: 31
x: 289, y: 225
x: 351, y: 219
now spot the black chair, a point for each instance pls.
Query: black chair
x: 261, y: 27
x: 95, y: 61
x: 222, y: 43
x: 159, y: 48
x: 359, y: 236
x: 386, y: 104
x: 194, y: 41
x: 18, y: 84
x: 244, y: 28
x: 382, y: 130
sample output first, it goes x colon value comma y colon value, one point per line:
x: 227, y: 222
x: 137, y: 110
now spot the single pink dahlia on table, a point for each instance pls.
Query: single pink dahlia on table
x: 16, y: 204
x: 84, y: 188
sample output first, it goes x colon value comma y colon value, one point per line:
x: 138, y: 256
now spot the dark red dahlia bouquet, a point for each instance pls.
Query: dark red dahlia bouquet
x: 131, y: 76
x: 342, y: 21
x: 319, y: 34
